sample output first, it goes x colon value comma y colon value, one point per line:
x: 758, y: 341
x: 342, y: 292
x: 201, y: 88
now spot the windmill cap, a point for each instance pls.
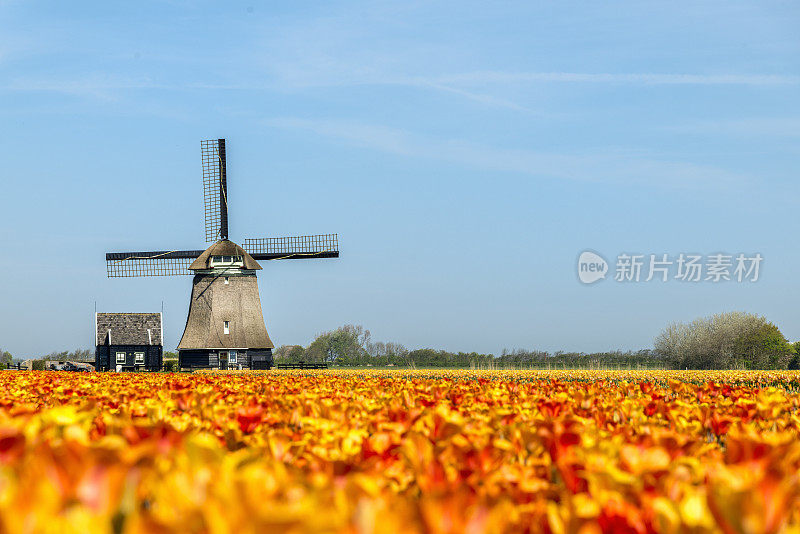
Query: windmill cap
x: 224, y: 248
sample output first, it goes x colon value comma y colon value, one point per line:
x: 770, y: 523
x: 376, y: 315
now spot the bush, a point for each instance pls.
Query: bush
x: 38, y: 365
x: 170, y: 366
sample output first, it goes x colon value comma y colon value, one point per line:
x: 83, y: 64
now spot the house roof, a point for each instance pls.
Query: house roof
x: 129, y: 328
x: 224, y: 248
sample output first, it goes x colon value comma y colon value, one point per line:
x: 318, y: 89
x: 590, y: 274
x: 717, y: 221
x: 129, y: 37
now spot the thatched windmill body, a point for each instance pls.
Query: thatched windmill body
x: 225, y: 327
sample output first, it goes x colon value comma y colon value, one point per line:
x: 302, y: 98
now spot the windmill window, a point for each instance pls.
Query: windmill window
x: 227, y: 260
x: 232, y: 356
x: 226, y: 280
x: 139, y: 357
x: 120, y: 357
x: 226, y: 327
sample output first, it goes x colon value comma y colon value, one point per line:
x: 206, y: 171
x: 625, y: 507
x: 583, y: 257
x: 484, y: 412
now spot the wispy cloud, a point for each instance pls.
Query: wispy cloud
x: 342, y: 77
x: 104, y: 86
x: 752, y: 126
x: 611, y: 167
x: 481, y: 98
x: 99, y: 86
x: 621, y: 78
x: 480, y: 86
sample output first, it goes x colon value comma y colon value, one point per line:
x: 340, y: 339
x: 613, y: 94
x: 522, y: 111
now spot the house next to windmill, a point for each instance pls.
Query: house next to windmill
x: 225, y: 327
x: 128, y: 342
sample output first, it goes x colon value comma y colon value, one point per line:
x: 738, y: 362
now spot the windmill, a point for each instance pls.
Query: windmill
x: 225, y: 327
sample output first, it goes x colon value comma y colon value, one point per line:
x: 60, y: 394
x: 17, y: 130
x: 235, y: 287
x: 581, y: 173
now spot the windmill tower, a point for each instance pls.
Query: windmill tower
x: 225, y: 327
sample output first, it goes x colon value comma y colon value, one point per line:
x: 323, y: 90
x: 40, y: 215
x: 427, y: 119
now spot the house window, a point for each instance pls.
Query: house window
x: 226, y: 327
x: 232, y: 356
x: 139, y: 357
x: 120, y: 357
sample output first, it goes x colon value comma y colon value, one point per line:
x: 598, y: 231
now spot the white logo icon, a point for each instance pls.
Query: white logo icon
x: 591, y: 267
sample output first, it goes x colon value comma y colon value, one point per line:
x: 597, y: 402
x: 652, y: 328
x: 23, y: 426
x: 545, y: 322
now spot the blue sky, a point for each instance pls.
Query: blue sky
x: 465, y: 152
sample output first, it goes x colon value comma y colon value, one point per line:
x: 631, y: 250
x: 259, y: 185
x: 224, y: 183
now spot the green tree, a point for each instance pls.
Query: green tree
x: 78, y: 355
x: 296, y: 353
x: 425, y: 358
x: 5, y: 359
x: 794, y: 362
x: 343, y: 346
x: 763, y: 347
x: 289, y: 354
x: 279, y: 354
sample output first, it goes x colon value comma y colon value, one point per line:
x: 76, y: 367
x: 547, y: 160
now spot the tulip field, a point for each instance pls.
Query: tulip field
x: 400, y: 451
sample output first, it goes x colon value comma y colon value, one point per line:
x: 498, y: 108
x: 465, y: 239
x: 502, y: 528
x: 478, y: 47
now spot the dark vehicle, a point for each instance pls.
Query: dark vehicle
x: 69, y: 366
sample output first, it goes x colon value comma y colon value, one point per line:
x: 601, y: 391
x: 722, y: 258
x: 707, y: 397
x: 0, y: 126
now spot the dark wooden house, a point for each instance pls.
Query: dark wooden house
x: 129, y: 341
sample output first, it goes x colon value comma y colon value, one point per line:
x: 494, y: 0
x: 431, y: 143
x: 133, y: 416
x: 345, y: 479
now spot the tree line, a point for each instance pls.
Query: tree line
x: 731, y: 340
x: 352, y: 346
x: 77, y: 355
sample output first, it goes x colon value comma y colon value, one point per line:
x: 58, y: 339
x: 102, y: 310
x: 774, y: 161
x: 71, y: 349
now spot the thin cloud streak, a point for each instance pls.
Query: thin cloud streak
x: 104, y: 87
x: 612, y: 167
x: 629, y: 78
x: 753, y: 126
x: 488, y: 100
x: 99, y: 87
x: 446, y: 83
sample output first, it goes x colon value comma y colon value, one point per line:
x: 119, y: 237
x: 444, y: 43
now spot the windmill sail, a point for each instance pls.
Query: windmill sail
x: 293, y: 247
x: 215, y: 189
x: 154, y: 263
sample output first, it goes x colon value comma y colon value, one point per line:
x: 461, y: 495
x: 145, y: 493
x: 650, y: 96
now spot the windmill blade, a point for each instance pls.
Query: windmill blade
x: 215, y: 188
x: 154, y: 263
x: 293, y: 248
